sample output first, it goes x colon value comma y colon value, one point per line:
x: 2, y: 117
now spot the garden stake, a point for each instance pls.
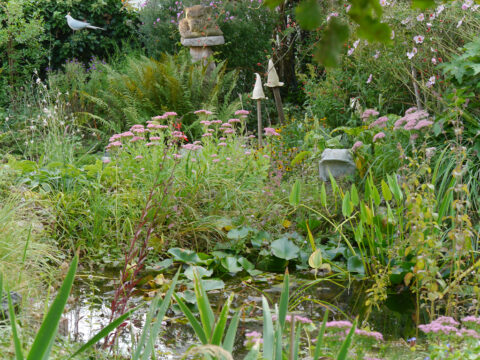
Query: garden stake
x: 274, y: 84
x: 258, y: 95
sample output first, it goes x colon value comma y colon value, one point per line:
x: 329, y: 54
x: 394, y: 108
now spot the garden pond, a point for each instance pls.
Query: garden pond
x: 90, y: 309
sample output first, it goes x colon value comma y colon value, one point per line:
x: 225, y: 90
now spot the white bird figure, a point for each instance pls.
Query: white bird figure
x: 79, y: 25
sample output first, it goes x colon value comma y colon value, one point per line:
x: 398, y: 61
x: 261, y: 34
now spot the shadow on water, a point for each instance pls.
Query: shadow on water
x: 92, y: 295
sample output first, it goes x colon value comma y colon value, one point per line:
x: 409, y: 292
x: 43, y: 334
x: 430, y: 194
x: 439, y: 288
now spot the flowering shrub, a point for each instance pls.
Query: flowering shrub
x: 450, y: 339
x: 379, y: 140
x: 395, y: 76
x: 224, y: 158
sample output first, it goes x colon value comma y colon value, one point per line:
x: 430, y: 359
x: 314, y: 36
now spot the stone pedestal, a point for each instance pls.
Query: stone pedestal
x: 200, y: 47
x: 338, y: 162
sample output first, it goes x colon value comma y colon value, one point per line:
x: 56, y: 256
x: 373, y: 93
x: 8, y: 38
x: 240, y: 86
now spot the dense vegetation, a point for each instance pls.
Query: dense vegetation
x: 123, y: 160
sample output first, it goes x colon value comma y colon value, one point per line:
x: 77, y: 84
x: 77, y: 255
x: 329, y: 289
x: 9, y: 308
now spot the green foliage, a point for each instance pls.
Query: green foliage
x: 247, y: 29
x: 209, y: 330
x: 146, y: 87
x: 21, y: 36
x: 338, y: 94
x: 63, y: 44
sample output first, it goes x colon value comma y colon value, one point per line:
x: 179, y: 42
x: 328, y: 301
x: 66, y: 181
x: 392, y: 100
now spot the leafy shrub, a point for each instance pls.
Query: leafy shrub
x: 146, y: 87
x: 393, y: 78
x: 247, y: 28
x: 21, y: 51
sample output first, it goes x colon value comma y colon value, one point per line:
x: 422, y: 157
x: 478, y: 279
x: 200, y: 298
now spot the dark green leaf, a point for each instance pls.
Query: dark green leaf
x: 186, y: 256
x: 329, y: 48
x: 309, y: 14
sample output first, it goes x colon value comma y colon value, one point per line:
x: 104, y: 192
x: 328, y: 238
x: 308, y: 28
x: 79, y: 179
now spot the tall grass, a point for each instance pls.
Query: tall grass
x: 26, y: 257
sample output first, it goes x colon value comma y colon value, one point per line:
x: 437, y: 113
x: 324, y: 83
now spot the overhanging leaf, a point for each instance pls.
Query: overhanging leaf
x: 329, y: 48
x: 309, y: 14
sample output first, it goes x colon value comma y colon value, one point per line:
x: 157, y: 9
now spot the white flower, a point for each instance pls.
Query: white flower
x: 377, y: 54
x: 369, y: 80
x: 347, y: 9
x: 355, y: 44
x: 406, y: 21
x: 384, y: 2
x: 430, y: 82
x: 420, y: 17
x: 418, y: 39
x: 460, y: 22
x: 434, y: 61
x: 350, y: 51
x: 439, y: 9
x: 412, y: 53
x: 429, y: 24
x: 393, y: 35
x: 333, y: 14
x: 475, y: 7
x: 432, y: 16
x: 433, y: 50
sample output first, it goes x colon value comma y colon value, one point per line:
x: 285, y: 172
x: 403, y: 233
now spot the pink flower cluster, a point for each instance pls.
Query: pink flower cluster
x: 357, y: 145
x: 345, y: 326
x: 414, y: 119
x: 369, y: 334
x: 369, y: 113
x: 242, y: 113
x: 378, y: 136
x: 206, y: 112
x: 193, y: 147
x: 380, y: 122
x: 338, y: 324
x: 270, y: 132
x: 252, y: 338
x: 297, y: 318
x: 165, y: 115
x: 448, y: 326
x: 472, y: 319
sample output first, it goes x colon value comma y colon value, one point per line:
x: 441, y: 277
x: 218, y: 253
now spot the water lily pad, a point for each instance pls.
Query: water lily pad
x: 213, y: 284
x: 355, y: 264
x: 284, y: 249
x: 260, y: 238
x: 185, y: 256
x: 248, y: 266
x: 230, y: 264
x: 239, y: 233
x: 201, y: 271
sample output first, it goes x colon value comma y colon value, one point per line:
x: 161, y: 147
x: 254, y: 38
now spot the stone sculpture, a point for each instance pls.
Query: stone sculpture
x: 198, y: 22
x: 338, y: 162
x: 199, y: 32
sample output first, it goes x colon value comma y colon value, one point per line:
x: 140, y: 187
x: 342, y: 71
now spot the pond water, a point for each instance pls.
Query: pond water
x: 90, y: 310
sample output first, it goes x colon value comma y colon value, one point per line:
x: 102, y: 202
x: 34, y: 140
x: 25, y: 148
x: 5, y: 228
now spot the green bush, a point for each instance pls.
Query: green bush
x: 247, y: 28
x: 145, y: 87
x: 380, y: 76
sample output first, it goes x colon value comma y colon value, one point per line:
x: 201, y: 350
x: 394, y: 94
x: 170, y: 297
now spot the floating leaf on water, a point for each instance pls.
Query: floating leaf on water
x: 230, y: 264
x: 213, y: 284
x: 261, y: 237
x: 284, y: 249
x: 201, y: 271
x: 239, y: 233
x: 355, y: 264
x: 185, y: 256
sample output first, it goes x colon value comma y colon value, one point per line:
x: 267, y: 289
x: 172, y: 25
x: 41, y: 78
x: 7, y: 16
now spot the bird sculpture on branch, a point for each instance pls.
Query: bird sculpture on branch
x: 80, y: 25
